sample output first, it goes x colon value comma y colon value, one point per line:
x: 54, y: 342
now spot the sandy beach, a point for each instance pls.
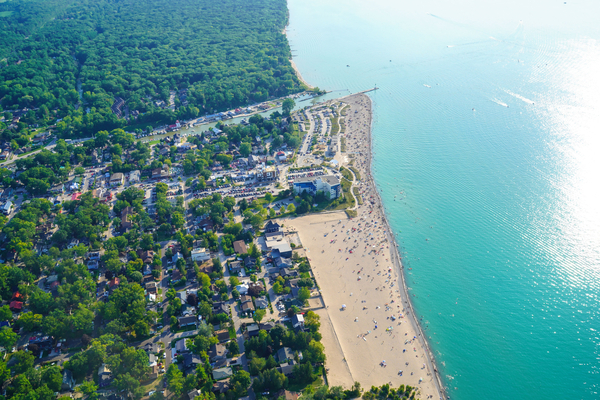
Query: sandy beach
x: 299, y: 75
x: 369, y: 331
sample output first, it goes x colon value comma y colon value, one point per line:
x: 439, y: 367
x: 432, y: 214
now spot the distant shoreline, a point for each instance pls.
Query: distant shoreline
x: 296, y: 70
x: 300, y: 75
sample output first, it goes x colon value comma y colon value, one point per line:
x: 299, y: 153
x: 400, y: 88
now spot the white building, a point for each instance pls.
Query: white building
x: 200, y: 254
x: 324, y: 183
x: 134, y: 176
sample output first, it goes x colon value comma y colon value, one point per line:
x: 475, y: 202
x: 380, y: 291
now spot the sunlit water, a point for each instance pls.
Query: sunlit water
x: 487, y: 143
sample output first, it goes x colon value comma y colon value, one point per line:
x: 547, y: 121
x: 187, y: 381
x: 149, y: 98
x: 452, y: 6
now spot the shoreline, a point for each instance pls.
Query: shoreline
x: 296, y: 70
x: 332, y: 267
x: 397, y: 261
x: 299, y: 75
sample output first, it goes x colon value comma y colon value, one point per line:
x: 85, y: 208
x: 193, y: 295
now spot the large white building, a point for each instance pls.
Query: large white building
x: 324, y: 183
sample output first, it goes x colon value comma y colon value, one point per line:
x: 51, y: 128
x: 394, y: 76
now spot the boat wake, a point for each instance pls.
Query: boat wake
x: 499, y: 103
x: 427, y: 86
x: 518, y: 96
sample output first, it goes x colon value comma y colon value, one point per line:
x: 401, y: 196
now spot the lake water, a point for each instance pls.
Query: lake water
x: 487, y: 154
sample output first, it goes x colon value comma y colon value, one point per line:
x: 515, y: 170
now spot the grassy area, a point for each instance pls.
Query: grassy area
x: 343, y: 145
x: 349, y: 203
x: 351, y: 213
x: 357, y: 195
x: 335, y: 126
x: 153, y: 142
x: 344, y: 110
x: 346, y: 174
x: 356, y: 173
x: 297, y: 387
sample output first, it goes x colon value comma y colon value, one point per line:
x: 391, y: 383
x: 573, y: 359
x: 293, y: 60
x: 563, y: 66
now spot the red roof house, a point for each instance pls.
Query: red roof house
x: 113, y: 283
x: 16, y: 306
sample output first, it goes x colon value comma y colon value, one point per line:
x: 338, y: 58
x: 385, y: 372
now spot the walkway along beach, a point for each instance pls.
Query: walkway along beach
x: 370, y: 331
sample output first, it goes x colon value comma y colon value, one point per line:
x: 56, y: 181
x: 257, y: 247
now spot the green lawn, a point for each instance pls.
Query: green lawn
x: 335, y: 126
x: 347, y: 174
x: 356, y: 173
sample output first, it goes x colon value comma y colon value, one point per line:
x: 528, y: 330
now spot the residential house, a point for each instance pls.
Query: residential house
x: 57, y: 189
x: 152, y: 348
x: 190, y: 361
x: 153, y: 374
x: 187, y: 321
x: 267, y: 326
x: 160, y: 173
x: 272, y: 226
x: 16, y: 306
x: 248, y: 308
x: 151, y: 288
x: 126, y: 215
x: 134, y: 176
x: 221, y: 386
x: 205, y: 224
x: 180, y: 347
x: 298, y: 321
x: 284, y: 354
x: 104, y: 376
x: 114, y: 283
x: 235, y: 267
x: 239, y: 246
x: 152, y: 360
x: 288, y: 273
x: 220, y: 308
x: 40, y: 137
x: 262, y: 302
x: 117, y: 179
x: 200, y: 254
x: 242, y: 288
x: 287, y: 368
x: 146, y: 256
x: 252, y: 330
x: 68, y: 382
x: 222, y: 373
x: 282, y: 262
x: 176, y: 257
x: 256, y: 287
x: 92, y: 264
x: 217, y: 352
x: 250, y: 262
x: 176, y: 276
x: 193, y: 394
x: 222, y: 335
x: 7, y: 208
x: 286, y: 395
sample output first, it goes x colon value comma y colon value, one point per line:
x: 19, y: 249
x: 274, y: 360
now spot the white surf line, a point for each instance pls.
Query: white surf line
x: 518, y: 96
x: 499, y: 102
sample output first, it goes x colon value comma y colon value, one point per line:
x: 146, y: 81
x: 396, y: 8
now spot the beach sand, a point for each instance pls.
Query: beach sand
x: 299, y: 75
x: 374, y: 339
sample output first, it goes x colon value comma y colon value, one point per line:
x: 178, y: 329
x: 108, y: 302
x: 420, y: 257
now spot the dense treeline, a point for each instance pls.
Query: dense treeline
x: 226, y: 54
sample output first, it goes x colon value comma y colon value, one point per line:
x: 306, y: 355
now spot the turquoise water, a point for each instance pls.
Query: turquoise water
x: 487, y: 143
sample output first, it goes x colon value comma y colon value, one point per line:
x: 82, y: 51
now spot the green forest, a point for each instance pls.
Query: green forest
x: 67, y: 61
